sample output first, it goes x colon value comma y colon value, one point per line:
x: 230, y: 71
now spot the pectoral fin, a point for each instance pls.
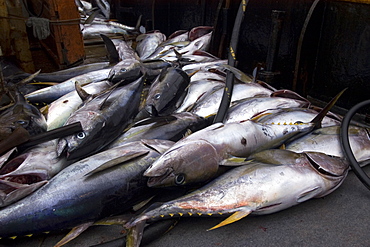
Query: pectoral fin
x: 234, y: 217
x: 135, y: 234
x: 234, y: 161
x: 119, y: 160
x: 74, y: 233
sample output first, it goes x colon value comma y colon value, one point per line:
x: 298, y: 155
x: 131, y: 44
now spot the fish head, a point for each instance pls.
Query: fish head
x: 333, y: 169
x: 85, y: 142
x: 166, y: 90
x: 187, y: 163
x: 128, y: 70
x: 24, y: 115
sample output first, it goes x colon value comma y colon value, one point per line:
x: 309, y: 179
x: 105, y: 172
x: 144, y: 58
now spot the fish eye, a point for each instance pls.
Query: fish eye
x: 180, y: 179
x: 22, y: 122
x: 157, y: 96
x: 81, y: 135
x: 123, y: 70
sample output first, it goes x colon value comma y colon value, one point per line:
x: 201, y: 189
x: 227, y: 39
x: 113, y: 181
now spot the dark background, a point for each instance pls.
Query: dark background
x: 335, y: 50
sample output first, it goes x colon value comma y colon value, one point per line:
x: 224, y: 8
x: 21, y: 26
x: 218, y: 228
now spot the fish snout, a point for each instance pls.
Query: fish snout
x: 62, y: 147
x: 111, y: 75
x: 151, y: 110
x: 157, y: 177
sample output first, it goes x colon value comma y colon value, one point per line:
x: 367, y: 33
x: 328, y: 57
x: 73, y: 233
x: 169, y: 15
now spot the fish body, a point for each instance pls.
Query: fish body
x: 197, y: 157
x: 293, y: 115
x: 171, y: 43
x: 93, y: 30
x: 125, y: 50
x: 209, y: 105
x: 28, y: 171
x: 247, y: 108
x: 49, y: 94
x: 283, y: 179
x: 80, y: 193
x: 208, y: 75
x: 198, y: 90
x: 327, y: 140
x: 148, y: 42
x: 201, y: 43
x: 171, y: 128
x: 194, y: 67
x: 103, y: 118
x: 61, y: 109
x: 65, y: 74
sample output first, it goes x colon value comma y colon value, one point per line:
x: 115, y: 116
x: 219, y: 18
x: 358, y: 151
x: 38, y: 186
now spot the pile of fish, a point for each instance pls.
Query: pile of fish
x: 147, y: 120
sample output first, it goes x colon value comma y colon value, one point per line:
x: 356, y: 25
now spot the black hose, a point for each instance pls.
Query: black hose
x: 364, y: 178
x: 226, y: 97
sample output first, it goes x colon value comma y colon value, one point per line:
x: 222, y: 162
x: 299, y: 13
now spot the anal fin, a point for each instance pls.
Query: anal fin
x: 231, y: 219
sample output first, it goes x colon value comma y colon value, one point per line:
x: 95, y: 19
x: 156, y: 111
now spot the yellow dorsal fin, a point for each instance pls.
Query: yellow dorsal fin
x: 234, y: 217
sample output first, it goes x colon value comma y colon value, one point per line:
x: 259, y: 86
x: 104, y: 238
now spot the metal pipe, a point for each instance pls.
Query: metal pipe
x: 273, y: 49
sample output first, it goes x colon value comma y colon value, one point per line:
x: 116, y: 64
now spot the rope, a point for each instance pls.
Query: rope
x: 52, y: 22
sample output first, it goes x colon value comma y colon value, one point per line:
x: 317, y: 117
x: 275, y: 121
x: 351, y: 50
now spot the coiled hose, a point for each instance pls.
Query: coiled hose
x: 364, y: 178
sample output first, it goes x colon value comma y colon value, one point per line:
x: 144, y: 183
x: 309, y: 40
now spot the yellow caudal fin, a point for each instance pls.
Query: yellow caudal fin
x: 231, y: 219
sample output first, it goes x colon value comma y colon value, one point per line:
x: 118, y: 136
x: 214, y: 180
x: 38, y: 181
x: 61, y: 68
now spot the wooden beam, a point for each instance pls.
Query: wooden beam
x: 18, y: 36
x: 5, y: 29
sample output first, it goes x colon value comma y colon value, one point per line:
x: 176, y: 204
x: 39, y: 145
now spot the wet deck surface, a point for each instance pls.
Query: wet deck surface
x: 341, y: 218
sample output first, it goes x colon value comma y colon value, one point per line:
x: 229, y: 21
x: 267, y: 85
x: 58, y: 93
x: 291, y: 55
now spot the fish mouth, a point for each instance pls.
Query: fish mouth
x: 111, y: 76
x: 157, y: 181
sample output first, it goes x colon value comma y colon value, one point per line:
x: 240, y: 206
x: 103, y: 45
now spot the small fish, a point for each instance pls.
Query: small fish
x: 277, y: 181
x: 49, y: 94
